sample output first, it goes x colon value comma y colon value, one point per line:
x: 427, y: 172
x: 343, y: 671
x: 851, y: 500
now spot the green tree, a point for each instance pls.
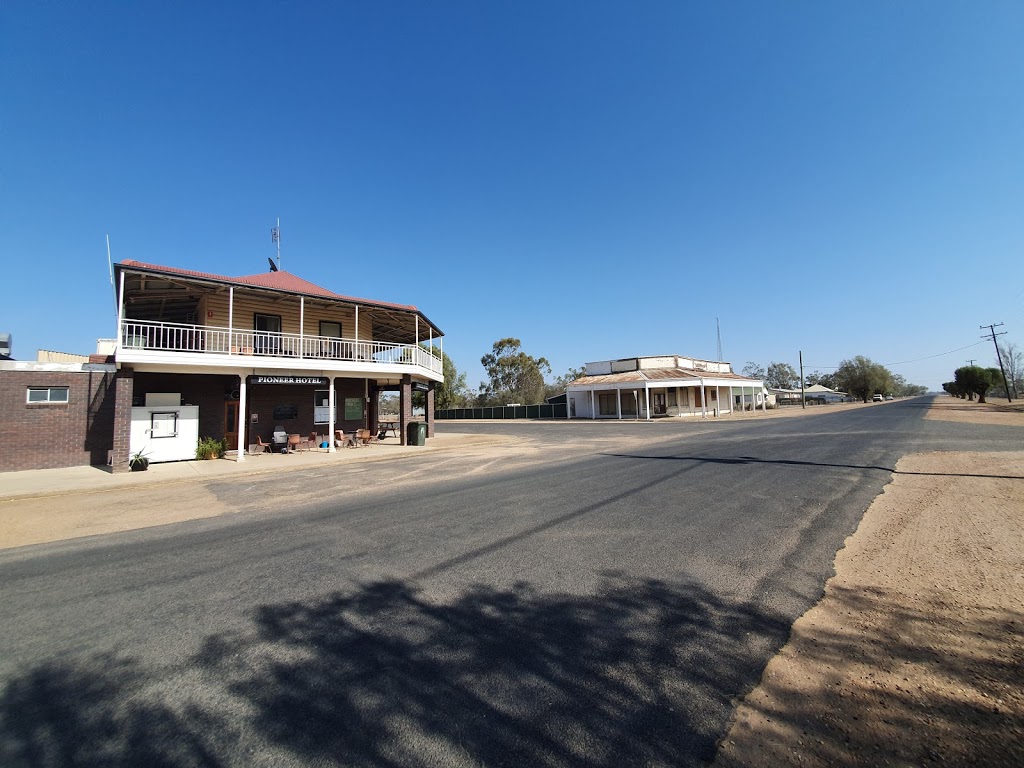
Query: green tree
x: 514, y: 375
x: 453, y: 391
x: 824, y: 379
x: 559, y: 385
x: 781, y: 376
x: 975, y: 380
x: 901, y: 388
x: 862, y: 377
x: 388, y: 404
x: 753, y: 371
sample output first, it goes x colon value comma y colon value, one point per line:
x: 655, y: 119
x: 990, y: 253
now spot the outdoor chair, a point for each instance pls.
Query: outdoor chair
x: 341, y: 440
x: 259, y: 447
x: 294, y: 442
x: 366, y: 437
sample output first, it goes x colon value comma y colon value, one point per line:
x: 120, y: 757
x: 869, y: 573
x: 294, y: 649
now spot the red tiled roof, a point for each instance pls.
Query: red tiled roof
x: 280, y: 281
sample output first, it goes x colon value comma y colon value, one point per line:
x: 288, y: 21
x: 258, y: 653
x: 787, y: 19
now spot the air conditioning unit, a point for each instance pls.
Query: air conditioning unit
x: 5, y: 345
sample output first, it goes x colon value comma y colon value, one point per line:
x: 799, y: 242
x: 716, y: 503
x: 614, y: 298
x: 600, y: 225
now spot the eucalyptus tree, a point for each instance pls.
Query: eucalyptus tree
x: 781, y: 376
x: 514, y: 375
x: 862, y: 377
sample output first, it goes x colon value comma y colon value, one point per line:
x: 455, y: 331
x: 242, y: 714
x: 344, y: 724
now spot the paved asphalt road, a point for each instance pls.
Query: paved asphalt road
x: 598, y: 597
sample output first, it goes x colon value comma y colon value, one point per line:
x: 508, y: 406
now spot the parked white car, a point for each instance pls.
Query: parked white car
x: 876, y: 398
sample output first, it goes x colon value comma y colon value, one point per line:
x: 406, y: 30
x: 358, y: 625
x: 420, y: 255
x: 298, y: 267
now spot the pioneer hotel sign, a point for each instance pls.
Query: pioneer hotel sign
x: 316, y: 381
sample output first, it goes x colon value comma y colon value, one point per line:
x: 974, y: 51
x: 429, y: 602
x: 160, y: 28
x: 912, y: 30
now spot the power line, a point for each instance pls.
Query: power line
x: 917, y: 360
x: 930, y: 357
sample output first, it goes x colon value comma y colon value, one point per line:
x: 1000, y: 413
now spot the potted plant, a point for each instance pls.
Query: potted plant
x: 208, y: 448
x: 138, y: 462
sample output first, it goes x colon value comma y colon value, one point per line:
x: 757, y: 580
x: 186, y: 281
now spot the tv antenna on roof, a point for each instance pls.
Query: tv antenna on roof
x: 275, y: 236
x: 718, y: 328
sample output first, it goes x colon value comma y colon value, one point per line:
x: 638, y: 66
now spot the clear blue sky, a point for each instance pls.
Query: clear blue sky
x: 600, y: 180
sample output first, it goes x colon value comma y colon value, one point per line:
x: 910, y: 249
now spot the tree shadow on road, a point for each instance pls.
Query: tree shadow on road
x: 638, y: 673
x: 100, y: 712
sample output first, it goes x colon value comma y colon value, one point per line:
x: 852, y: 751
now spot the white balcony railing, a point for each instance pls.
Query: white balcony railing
x: 175, y: 337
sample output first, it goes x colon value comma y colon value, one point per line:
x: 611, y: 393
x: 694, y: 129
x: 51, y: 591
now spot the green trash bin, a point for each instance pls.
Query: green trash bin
x: 416, y: 433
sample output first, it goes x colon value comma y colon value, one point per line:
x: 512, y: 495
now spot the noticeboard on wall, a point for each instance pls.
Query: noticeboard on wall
x: 163, y: 424
x: 285, y: 412
x: 353, y: 408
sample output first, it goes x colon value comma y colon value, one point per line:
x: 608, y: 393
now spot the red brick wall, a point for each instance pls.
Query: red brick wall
x: 429, y: 413
x: 405, y: 402
x: 46, y: 436
x: 122, y: 419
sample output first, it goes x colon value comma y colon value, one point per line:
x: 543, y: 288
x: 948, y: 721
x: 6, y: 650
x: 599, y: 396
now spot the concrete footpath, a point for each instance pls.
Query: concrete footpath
x: 36, y: 483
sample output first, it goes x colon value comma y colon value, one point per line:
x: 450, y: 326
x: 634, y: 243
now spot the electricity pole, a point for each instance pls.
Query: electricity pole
x: 992, y: 331
x: 803, y: 398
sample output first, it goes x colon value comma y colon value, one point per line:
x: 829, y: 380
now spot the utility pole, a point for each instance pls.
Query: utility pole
x: 992, y: 331
x: 971, y: 361
x: 803, y: 399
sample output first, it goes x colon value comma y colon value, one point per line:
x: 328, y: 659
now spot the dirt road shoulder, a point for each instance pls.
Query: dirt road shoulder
x: 915, y: 655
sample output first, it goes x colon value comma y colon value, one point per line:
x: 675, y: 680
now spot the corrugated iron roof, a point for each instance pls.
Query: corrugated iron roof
x: 280, y: 281
x: 656, y: 374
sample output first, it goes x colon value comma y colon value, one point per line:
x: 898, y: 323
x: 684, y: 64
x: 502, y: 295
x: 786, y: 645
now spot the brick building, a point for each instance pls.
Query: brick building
x: 226, y: 357
x: 55, y: 414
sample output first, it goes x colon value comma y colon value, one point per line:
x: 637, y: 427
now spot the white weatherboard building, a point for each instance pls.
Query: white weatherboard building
x: 662, y: 386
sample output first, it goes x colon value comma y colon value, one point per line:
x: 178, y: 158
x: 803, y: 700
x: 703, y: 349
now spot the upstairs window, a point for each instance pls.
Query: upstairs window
x: 268, y: 323
x: 47, y: 395
x: 330, y: 329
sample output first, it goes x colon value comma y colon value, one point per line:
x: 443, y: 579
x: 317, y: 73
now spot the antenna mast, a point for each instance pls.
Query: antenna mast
x: 275, y: 236
x: 718, y: 328
x: 113, y: 288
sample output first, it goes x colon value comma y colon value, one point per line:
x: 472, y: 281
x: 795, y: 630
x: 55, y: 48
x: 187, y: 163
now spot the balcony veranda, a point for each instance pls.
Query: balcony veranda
x: 201, y: 345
